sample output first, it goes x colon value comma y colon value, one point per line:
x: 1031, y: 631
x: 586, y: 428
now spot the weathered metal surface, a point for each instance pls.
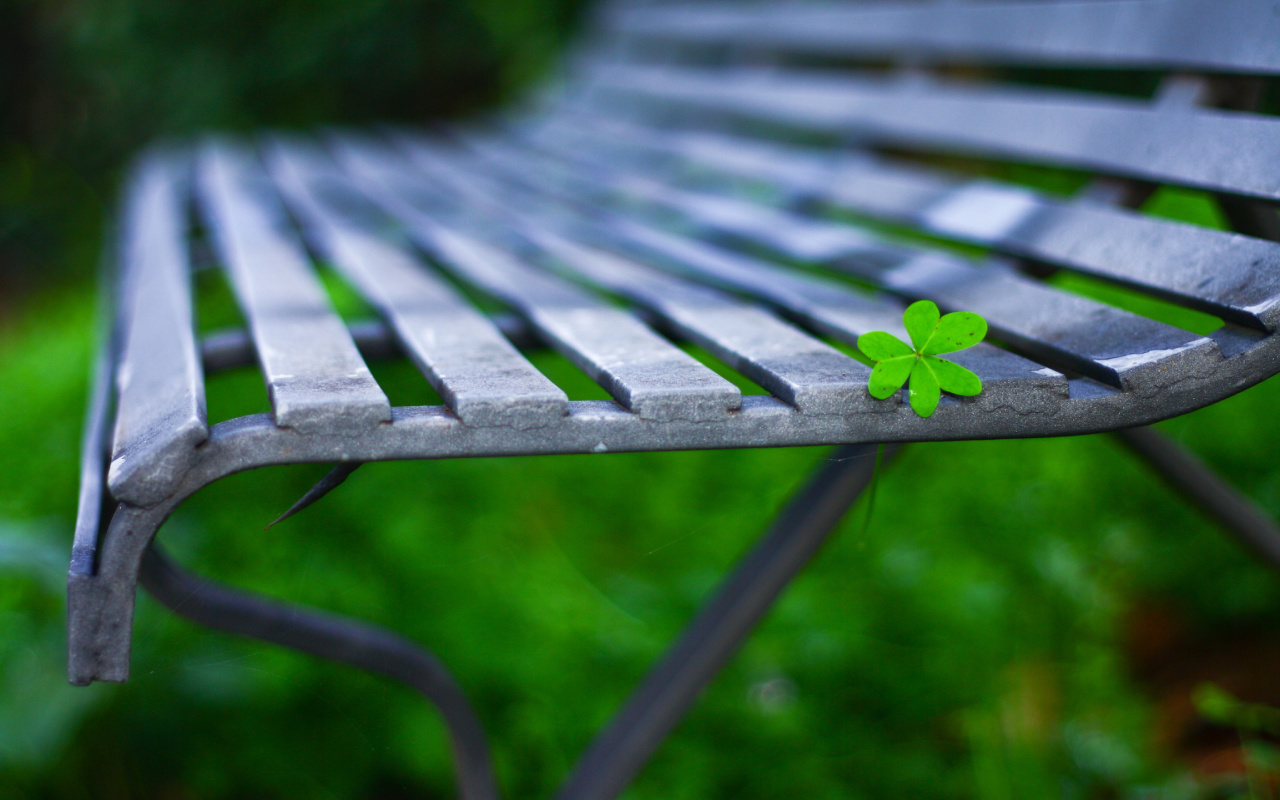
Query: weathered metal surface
x: 477, y: 372
x: 593, y: 175
x: 1210, y: 35
x: 646, y: 373
x: 1231, y: 276
x: 1115, y: 346
x: 790, y: 364
x: 233, y: 348
x: 828, y: 307
x: 839, y: 312
x: 1223, y: 151
x: 94, y: 452
x: 160, y: 416
x: 1053, y: 326
x: 315, y: 376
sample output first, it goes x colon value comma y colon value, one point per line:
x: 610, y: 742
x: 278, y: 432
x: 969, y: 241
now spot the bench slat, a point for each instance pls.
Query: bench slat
x: 1105, y: 343
x: 1225, y: 274
x: 480, y: 375
x: 1228, y: 275
x: 791, y: 365
x: 781, y: 287
x: 1225, y: 151
x: 811, y: 245
x: 1111, y: 345
x: 315, y: 376
x: 835, y: 310
x: 160, y: 416
x: 643, y: 371
x: 803, y: 371
x: 1213, y: 35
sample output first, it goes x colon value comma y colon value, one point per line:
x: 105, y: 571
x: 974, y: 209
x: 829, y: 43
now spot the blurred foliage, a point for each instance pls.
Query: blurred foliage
x: 969, y: 646
x: 1258, y: 727
x: 1218, y: 705
x: 84, y: 84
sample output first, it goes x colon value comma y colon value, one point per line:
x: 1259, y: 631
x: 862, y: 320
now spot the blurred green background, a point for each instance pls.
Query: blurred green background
x: 1019, y: 619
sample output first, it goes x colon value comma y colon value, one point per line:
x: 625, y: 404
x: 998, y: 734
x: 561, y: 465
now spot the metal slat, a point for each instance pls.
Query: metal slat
x: 1225, y: 274
x: 831, y: 308
x: 835, y: 310
x: 480, y: 375
x: 793, y: 366
x: 610, y: 172
x: 1211, y: 35
x: 1224, y: 151
x: 1106, y: 343
x: 869, y: 183
x: 643, y: 371
x: 93, y: 463
x: 160, y: 416
x: 845, y: 311
x: 803, y: 371
x: 316, y: 378
x: 1132, y: 352
x: 1103, y: 342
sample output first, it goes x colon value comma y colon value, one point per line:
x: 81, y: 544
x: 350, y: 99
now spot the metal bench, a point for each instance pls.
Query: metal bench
x: 694, y: 180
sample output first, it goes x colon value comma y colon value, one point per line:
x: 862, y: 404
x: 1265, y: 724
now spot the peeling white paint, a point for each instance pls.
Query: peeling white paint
x: 1120, y: 363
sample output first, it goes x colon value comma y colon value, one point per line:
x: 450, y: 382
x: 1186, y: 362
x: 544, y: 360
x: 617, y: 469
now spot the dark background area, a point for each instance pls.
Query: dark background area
x: 85, y: 84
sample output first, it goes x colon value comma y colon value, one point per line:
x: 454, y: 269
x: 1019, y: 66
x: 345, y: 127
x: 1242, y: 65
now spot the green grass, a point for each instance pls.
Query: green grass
x: 967, y: 646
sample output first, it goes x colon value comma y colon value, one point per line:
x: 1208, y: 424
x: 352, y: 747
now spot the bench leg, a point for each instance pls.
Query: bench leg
x: 708, y: 643
x: 1186, y: 473
x: 655, y: 708
x: 338, y: 639
x: 673, y: 685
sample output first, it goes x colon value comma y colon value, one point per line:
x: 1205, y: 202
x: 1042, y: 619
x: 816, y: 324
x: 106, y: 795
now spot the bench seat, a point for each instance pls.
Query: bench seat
x: 712, y: 190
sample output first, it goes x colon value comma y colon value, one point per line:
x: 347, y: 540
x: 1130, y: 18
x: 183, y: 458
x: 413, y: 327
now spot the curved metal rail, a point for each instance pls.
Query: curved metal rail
x: 337, y: 639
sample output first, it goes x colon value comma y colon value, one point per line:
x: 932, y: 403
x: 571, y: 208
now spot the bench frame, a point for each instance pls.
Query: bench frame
x: 132, y: 481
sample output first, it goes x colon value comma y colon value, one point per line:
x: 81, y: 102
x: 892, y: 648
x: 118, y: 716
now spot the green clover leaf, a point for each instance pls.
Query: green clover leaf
x: 930, y: 376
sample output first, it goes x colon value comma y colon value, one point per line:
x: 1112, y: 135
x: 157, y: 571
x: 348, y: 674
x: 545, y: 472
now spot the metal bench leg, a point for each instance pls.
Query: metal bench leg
x: 332, y: 637
x: 1186, y: 473
x: 1180, y: 468
x: 672, y: 686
